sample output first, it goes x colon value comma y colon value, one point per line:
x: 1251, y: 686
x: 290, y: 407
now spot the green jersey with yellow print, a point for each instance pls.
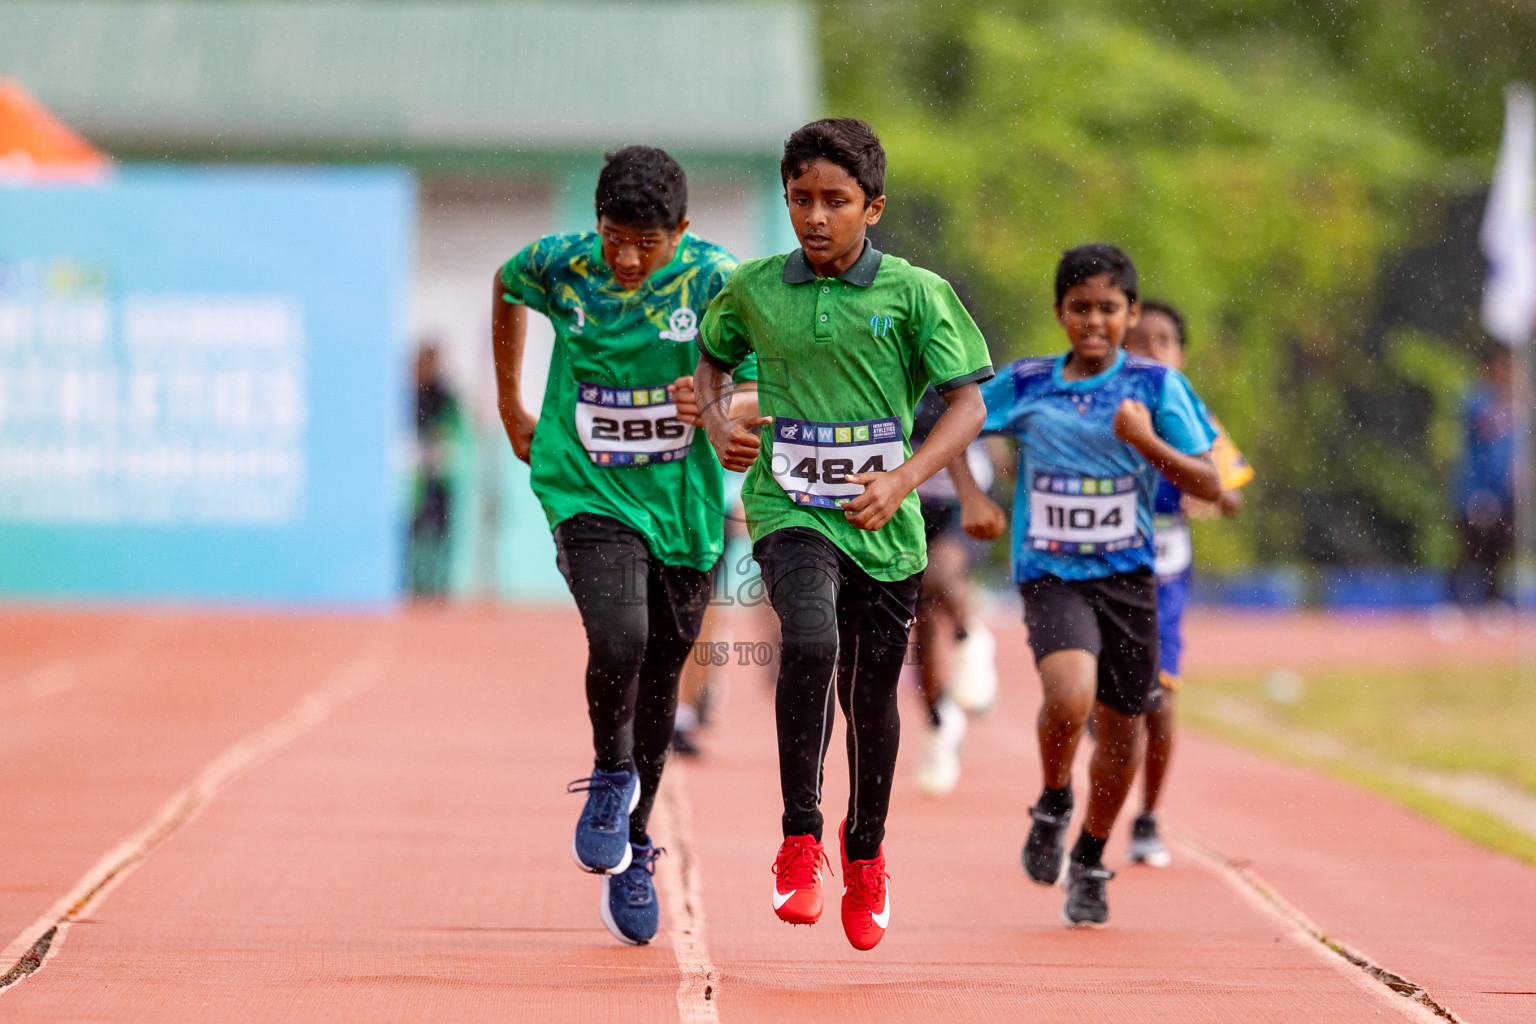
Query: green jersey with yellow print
x: 608, y: 440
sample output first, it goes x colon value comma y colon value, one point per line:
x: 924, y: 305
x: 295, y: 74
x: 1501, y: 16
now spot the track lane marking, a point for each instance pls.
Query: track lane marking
x: 29, y: 951
x: 1391, y: 988
x: 41, y: 684
x: 62, y: 674
x: 1411, y: 999
x: 698, y: 988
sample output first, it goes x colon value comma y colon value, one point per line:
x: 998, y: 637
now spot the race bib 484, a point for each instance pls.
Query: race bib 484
x: 812, y: 461
x: 630, y: 426
x: 1082, y: 515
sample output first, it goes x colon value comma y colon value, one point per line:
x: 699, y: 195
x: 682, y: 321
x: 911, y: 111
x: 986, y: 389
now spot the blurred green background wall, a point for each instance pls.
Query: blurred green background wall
x: 1303, y: 178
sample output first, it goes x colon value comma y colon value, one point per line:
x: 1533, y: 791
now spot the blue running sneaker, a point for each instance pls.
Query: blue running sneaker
x: 602, y: 832
x: 629, y: 906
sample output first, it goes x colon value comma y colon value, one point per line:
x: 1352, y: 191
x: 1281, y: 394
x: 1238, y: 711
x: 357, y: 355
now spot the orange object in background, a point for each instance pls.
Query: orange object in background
x: 35, y: 146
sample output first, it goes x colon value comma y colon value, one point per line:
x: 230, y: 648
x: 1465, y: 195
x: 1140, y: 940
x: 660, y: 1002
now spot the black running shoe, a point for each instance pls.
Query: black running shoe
x: 1045, y: 851
x: 1086, y: 905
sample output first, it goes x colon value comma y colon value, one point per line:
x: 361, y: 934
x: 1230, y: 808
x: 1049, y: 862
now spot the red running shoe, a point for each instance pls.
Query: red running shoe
x: 866, y: 897
x: 797, y: 880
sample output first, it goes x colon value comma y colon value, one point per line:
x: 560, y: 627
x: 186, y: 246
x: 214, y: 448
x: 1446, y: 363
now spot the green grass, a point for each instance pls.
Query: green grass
x: 1373, y: 727
x: 1480, y: 718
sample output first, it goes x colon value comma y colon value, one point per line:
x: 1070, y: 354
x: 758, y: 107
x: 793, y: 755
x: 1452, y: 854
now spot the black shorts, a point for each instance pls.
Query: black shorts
x: 1113, y: 618
x: 940, y: 518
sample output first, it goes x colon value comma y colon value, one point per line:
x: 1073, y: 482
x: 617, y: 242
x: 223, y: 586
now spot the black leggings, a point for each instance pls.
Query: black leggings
x: 837, y: 622
x: 641, y: 618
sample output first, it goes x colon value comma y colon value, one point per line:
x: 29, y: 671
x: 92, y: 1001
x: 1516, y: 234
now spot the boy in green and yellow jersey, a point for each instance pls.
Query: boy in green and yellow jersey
x: 847, y: 339
x: 633, y: 495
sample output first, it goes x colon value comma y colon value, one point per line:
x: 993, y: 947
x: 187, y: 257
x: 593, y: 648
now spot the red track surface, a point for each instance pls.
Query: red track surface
x: 397, y: 848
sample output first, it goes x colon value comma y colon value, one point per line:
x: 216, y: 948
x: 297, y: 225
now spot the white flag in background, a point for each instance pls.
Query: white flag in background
x: 1509, y: 230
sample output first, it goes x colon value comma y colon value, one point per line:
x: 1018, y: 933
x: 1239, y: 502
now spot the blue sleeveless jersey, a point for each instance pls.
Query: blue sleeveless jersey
x: 1083, y: 500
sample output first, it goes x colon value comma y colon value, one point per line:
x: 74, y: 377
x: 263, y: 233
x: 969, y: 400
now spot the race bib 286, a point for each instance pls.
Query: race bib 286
x: 630, y: 426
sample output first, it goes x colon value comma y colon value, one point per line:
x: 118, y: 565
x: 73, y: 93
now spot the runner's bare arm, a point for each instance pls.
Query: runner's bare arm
x: 1195, y: 475
x: 884, y: 492
x: 741, y: 399
x: 980, y: 516
x: 744, y: 404
x: 732, y: 436
x: 509, y: 330
x: 1230, y: 504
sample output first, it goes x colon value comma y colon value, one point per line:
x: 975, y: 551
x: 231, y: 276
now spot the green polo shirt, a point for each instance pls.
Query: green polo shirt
x: 599, y: 446
x: 839, y: 359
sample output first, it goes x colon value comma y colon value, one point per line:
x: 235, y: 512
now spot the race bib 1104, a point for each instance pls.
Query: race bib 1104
x: 1082, y: 515
x: 630, y: 426
x: 812, y: 461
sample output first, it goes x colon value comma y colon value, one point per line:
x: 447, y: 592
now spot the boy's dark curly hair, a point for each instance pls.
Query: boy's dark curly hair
x: 845, y: 141
x: 1078, y: 265
x: 642, y: 187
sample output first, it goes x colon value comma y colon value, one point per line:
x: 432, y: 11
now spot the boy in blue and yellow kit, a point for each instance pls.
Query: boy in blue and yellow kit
x: 1160, y: 335
x: 1095, y: 429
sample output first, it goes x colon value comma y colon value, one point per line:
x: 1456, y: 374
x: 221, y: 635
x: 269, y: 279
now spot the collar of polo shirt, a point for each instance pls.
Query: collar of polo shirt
x: 797, y: 269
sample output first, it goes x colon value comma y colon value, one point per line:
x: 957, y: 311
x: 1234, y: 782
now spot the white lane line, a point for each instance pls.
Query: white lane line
x: 698, y: 988
x: 63, y: 674
x: 1390, y: 988
x: 41, y: 684
x: 30, y: 950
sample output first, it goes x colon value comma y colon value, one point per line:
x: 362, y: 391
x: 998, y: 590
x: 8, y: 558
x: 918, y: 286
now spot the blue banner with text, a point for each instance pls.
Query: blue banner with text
x: 201, y: 386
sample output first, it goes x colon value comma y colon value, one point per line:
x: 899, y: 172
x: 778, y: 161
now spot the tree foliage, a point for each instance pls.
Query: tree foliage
x: 1265, y: 163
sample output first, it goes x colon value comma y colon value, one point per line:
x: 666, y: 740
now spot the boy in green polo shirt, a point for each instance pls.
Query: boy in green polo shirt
x: 632, y: 495
x: 847, y: 341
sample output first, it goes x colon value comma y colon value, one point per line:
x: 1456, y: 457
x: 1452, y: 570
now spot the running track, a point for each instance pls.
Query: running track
x: 264, y: 817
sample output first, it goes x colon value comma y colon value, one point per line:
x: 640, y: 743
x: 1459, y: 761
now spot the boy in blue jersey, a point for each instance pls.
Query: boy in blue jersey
x: 1095, y: 428
x: 1160, y: 335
